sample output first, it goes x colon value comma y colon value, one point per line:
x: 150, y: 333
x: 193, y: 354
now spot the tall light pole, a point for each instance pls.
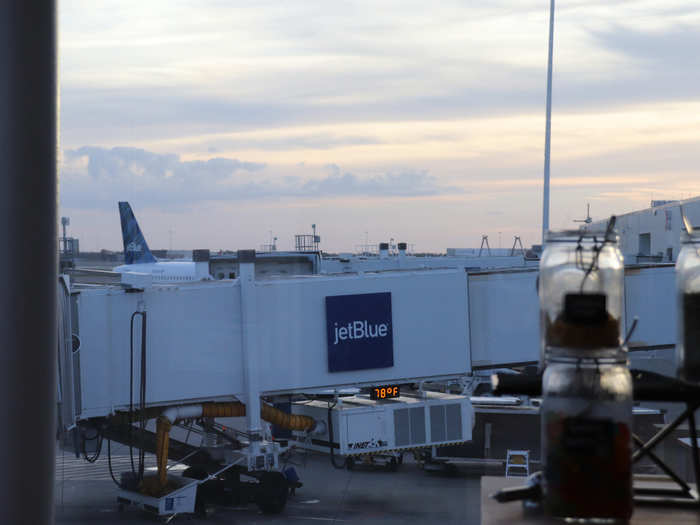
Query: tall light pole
x: 548, y: 125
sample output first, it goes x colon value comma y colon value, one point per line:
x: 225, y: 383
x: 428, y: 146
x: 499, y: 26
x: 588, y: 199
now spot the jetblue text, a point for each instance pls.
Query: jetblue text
x: 360, y: 330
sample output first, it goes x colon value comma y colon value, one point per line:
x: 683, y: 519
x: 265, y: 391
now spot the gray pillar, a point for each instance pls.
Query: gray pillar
x: 28, y: 259
x: 249, y: 335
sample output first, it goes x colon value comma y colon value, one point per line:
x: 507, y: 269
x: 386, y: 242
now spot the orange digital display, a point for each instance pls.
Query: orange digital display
x: 384, y: 392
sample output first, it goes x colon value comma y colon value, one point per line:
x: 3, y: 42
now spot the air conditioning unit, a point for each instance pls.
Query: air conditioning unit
x: 360, y: 425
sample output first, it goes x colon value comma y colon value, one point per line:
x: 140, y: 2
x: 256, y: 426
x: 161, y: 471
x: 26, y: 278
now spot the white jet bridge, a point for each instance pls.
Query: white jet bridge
x: 319, y: 346
x: 199, y: 351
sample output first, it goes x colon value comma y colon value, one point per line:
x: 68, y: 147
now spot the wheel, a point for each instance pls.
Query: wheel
x: 272, y: 493
x: 121, y: 504
x: 200, y: 504
x: 451, y: 469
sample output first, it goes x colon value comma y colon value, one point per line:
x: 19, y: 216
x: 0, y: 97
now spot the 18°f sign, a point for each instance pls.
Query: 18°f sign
x: 359, y: 332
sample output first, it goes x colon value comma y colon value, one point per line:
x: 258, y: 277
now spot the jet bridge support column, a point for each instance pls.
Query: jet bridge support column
x: 251, y: 369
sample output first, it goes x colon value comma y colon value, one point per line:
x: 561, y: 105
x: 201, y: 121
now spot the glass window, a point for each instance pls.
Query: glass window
x: 349, y: 160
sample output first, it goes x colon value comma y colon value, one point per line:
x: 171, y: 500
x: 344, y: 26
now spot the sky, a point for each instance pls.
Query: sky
x: 226, y: 123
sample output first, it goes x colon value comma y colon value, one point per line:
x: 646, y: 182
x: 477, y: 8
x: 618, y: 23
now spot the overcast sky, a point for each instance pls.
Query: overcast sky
x: 424, y: 122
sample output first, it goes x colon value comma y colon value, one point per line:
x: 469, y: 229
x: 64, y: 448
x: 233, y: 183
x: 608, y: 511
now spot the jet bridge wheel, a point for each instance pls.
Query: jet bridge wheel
x: 200, y: 504
x: 195, y: 473
x: 272, y: 493
x: 393, y: 464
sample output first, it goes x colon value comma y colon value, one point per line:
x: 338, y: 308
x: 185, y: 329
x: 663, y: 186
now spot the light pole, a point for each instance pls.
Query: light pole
x: 548, y: 125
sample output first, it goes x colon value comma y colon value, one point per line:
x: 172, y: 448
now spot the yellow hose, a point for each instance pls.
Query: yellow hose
x: 223, y: 410
x: 163, y: 426
x: 267, y: 412
x: 284, y: 420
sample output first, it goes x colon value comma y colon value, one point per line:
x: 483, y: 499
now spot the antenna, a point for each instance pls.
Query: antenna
x: 548, y: 126
x: 65, y: 221
x: 588, y: 219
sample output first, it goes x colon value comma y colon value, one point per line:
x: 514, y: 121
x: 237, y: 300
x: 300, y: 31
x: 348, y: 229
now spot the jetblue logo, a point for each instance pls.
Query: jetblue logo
x: 359, y: 332
x: 133, y: 247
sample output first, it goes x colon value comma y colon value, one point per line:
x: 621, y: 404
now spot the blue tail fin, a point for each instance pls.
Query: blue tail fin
x: 135, y: 247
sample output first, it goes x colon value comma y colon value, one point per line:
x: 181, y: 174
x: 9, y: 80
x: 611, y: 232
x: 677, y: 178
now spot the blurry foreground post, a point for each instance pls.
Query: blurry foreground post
x: 28, y: 259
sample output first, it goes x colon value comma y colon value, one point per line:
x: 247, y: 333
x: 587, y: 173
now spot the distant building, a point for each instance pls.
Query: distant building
x: 653, y: 234
x: 268, y: 265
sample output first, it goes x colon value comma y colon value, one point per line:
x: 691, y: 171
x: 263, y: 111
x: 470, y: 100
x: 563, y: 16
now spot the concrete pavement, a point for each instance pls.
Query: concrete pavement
x: 86, y: 494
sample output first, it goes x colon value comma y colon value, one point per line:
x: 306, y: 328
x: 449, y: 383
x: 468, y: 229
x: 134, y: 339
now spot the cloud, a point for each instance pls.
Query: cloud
x: 654, y: 65
x: 109, y: 163
x: 136, y: 114
x: 94, y: 177
x: 255, y: 66
x: 404, y: 183
x: 676, y: 46
x: 309, y: 141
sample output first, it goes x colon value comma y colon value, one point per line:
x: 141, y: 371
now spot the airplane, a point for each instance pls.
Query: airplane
x: 139, y: 259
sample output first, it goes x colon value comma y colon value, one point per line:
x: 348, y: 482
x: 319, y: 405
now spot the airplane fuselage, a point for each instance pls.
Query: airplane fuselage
x: 164, y: 272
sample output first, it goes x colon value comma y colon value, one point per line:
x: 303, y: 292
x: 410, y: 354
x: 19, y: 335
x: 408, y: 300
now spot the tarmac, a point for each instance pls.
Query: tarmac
x: 86, y: 494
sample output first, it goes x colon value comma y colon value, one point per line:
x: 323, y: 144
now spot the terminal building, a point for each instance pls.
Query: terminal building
x: 278, y: 264
x: 654, y: 234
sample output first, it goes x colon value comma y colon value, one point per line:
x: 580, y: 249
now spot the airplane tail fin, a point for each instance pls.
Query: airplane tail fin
x: 135, y: 247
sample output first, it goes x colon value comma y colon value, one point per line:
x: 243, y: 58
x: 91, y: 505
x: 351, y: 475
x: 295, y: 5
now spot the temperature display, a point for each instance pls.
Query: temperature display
x: 384, y: 392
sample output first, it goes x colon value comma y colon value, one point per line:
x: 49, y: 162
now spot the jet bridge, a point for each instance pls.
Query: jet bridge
x: 194, y: 352
x: 199, y: 351
x: 504, y: 316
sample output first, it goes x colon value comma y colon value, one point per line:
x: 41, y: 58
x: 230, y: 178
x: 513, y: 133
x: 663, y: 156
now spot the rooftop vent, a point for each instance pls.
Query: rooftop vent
x: 200, y: 255
x: 383, y: 250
